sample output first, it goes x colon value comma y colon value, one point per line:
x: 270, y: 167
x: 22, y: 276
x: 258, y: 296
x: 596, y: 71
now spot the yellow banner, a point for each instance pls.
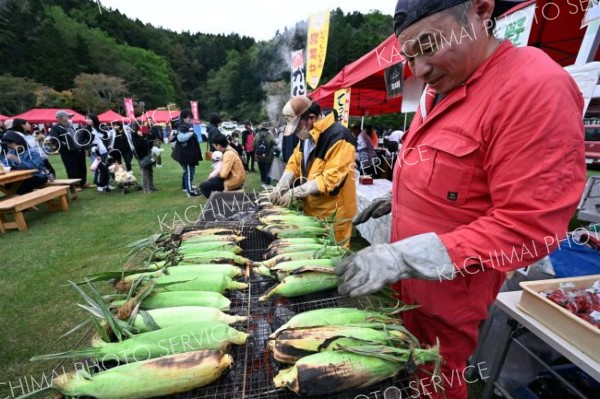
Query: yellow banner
x: 318, y: 35
x: 341, y: 103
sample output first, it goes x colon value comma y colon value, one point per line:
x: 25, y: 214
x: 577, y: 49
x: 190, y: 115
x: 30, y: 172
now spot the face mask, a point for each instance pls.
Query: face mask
x: 235, y: 140
x: 303, y: 133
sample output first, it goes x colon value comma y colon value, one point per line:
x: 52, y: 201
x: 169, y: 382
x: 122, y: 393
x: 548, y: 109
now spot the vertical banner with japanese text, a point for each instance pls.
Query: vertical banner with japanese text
x: 298, y: 80
x: 129, y: 111
x: 516, y: 26
x: 341, y: 103
x: 196, y: 121
x: 318, y: 36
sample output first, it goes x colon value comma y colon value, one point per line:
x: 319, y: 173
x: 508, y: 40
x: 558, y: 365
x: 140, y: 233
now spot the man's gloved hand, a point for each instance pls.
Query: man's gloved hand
x: 423, y: 257
x: 300, y: 192
x: 284, y: 184
x: 379, y: 207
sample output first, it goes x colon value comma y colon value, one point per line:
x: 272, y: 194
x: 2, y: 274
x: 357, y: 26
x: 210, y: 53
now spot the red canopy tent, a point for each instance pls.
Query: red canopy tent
x: 48, y: 115
x: 3, y: 118
x: 111, y: 116
x: 556, y: 30
x: 365, y: 77
x: 160, y: 116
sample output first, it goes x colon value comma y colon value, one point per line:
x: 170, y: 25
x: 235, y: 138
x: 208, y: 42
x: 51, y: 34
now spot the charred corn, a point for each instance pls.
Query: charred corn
x: 336, y: 317
x: 292, y: 344
x: 215, y: 257
x: 156, y: 377
x: 330, y: 372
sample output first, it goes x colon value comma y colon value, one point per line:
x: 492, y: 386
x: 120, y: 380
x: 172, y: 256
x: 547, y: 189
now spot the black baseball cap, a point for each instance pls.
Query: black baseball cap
x: 410, y: 11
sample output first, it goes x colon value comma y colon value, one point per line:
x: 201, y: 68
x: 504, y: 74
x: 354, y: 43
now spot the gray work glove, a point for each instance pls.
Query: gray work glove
x: 284, y: 184
x: 422, y: 257
x: 300, y: 192
x: 381, y: 206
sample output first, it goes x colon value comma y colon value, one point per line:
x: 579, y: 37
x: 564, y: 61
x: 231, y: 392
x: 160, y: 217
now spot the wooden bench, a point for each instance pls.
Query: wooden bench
x: 72, y: 183
x: 17, y: 204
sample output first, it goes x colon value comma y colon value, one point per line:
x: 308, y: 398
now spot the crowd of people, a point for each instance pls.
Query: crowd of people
x: 113, y: 150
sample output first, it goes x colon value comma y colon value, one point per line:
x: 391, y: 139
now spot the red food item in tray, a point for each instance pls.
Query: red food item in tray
x: 559, y: 297
x: 583, y: 303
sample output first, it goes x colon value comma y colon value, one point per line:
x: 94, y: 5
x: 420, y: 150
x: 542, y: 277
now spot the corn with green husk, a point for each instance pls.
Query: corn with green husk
x: 215, y: 257
x: 302, y: 284
x: 187, y: 337
x: 184, y: 298
x: 212, y: 238
x: 293, y: 344
x: 279, y: 251
x: 149, y: 320
x: 215, y: 282
x: 291, y: 266
x: 326, y: 373
x: 228, y: 246
x: 166, y: 375
x: 289, y: 241
x: 290, y: 220
x: 216, y: 231
x: 324, y: 252
x: 280, y: 231
x: 189, y: 271
x: 338, y: 317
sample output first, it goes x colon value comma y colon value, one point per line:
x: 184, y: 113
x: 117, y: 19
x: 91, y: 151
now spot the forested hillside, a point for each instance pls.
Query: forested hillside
x: 66, y: 53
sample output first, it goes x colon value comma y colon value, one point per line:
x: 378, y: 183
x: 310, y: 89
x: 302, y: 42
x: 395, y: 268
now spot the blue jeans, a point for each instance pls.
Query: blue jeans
x: 189, y: 171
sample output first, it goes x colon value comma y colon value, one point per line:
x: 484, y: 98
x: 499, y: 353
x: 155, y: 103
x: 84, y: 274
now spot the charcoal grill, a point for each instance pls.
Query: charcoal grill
x: 231, y: 206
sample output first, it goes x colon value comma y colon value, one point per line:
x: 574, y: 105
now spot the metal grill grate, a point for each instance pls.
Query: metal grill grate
x: 231, y: 206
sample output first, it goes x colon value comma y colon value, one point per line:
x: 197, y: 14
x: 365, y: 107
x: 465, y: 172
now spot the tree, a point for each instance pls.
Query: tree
x: 17, y: 95
x: 98, y: 92
x: 50, y: 98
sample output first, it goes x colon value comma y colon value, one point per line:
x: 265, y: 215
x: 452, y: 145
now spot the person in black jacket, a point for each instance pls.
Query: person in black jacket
x: 213, y: 129
x: 121, y: 144
x: 142, y: 151
x: 71, y: 146
x: 187, y: 151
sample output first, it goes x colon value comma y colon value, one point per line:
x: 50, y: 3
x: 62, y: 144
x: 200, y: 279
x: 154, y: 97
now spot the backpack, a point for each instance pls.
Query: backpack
x: 263, y: 149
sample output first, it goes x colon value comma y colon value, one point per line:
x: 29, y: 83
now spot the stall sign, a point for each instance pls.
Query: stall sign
x: 341, y: 103
x: 394, y: 80
x: 516, y: 26
x: 298, y: 79
x: 318, y: 35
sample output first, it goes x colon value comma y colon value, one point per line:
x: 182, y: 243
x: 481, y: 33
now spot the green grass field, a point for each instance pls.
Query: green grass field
x: 35, y: 305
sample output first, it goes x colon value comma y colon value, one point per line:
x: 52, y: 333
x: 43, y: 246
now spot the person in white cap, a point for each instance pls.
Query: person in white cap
x: 321, y: 169
x: 493, y: 164
x: 70, y: 146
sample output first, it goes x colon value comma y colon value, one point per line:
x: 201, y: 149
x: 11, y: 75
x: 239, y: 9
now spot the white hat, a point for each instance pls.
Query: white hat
x: 217, y: 155
x: 293, y: 110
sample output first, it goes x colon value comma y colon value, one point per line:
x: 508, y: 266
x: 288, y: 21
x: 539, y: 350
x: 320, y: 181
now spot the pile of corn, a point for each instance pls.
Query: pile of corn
x: 169, y: 333
x: 339, y: 349
x: 302, y: 258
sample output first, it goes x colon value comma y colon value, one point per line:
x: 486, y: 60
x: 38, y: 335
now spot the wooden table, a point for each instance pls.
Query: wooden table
x: 14, y: 178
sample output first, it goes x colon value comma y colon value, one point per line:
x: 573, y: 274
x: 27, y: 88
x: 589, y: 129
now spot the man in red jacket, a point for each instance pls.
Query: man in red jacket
x: 491, y: 171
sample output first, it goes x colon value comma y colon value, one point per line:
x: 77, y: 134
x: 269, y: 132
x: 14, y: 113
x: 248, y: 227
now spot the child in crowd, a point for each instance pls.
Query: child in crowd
x: 217, y: 158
